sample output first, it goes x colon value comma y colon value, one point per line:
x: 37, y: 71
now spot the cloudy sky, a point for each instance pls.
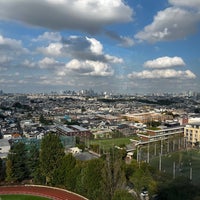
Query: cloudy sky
x: 106, y: 45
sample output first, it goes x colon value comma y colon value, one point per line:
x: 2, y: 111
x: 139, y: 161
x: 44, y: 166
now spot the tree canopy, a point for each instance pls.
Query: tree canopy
x: 51, y: 155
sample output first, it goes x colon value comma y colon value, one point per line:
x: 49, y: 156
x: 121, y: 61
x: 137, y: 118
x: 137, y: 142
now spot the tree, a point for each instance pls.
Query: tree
x: 42, y: 120
x: 179, y: 188
x: 16, y: 165
x: 73, y: 178
x: 113, y: 174
x: 51, y: 155
x: 90, y: 179
x: 143, y: 177
x: 63, y: 173
x: 9, y: 171
x: 33, y: 160
x: 122, y: 195
x: 83, y: 109
x: 70, y: 165
x: 2, y: 170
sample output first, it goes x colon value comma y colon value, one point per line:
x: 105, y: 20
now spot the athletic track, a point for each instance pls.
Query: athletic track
x: 43, y: 191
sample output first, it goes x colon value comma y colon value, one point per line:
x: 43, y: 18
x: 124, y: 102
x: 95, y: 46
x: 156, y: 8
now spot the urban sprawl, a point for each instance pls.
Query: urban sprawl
x: 154, y: 125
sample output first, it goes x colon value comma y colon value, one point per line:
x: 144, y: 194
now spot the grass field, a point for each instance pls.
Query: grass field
x: 109, y: 143
x: 21, y: 197
x: 185, y: 162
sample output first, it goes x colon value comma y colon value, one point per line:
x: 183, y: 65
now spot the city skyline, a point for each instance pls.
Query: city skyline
x: 116, y: 46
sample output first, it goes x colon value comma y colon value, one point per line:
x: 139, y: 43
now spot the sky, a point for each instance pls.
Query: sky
x: 117, y: 46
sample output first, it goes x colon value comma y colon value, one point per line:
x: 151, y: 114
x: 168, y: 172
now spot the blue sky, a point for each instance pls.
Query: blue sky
x: 115, y: 46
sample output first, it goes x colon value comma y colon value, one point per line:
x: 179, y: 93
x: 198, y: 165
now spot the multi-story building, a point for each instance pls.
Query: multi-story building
x: 162, y: 134
x: 147, y: 117
x: 192, y: 133
x: 73, y: 130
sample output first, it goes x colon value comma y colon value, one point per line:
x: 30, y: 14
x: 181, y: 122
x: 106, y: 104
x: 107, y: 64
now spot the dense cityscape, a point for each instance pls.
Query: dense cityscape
x: 99, y: 100
x: 140, y: 131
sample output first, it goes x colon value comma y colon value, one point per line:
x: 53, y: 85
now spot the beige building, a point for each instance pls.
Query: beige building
x: 192, y: 133
x: 147, y: 117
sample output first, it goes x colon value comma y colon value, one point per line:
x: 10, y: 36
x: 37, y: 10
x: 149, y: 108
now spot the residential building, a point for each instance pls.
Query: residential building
x: 192, y: 133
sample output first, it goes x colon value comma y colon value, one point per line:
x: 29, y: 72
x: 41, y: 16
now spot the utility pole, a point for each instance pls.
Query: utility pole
x: 173, y: 145
x: 138, y: 155
x: 190, y: 171
x: 160, y: 162
x: 174, y: 170
x: 160, y: 157
x: 148, y: 153
x: 161, y: 146
x: 168, y: 146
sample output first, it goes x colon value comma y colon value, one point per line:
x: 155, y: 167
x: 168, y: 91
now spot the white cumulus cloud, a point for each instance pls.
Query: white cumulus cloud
x: 48, y: 36
x: 170, y: 24
x: 53, y: 49
x: 49, y: 63
x: 80, y: 48
x: 9, y: 45
x: 183, y: 3
x: 95, y: 46
x: 88, y: 68
x: 164, y: 62
x: 88, y: 15
x: 162, y: 74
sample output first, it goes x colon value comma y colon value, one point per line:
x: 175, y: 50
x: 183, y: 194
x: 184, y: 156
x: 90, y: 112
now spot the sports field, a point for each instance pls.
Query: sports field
x: 21, y: 197
x: 110, y: 143
x: 38, y: 192
x: 183, y: 163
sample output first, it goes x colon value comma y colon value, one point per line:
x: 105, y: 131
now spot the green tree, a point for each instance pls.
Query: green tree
x: 9, y: 171
x: 113, y: 174
x: 90, y: 179
x: 64, y: 171
x: 123, y: 195
x: 73, y: 178
x: 33, y: 160
x: 179, y: 188
x: 17, y: 163
x: 143, y: 176
x: 80, y: 180
x: 39, y: 178
x: 70, y: 165
x: 42, y: 120
x: 51, y: 155
x: 2, y: 170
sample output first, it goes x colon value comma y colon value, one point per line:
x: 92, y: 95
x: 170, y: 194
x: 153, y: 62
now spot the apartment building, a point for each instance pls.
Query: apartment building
x: 192, y: 133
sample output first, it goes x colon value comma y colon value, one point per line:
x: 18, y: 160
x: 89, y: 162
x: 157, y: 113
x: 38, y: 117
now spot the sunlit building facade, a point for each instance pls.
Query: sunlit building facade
x: 192, y: 133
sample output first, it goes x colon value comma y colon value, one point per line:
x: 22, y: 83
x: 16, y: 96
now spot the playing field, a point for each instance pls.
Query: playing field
x: 21, y: 197
x: 183, y: 163
x: 37, y: 192
x: 110, y: 143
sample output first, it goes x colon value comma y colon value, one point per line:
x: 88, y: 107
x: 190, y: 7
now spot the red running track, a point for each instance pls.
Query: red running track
x: 49, y: 192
